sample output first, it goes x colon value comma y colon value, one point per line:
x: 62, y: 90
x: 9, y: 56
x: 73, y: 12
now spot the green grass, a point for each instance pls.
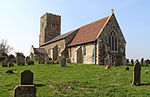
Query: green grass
x: 76, y: 80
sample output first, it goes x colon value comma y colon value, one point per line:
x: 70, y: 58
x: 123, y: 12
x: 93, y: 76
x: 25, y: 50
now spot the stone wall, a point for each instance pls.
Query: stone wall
x: 60, y: 46
x: 78, y: 52
x: 50, y: 27
x: 105, y: 49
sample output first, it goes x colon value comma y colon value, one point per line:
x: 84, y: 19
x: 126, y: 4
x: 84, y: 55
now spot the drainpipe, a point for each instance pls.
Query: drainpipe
x: 95, y: 52
x: 65, y: 44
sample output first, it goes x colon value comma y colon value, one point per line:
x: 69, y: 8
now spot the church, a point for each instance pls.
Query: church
x: 100, y: 42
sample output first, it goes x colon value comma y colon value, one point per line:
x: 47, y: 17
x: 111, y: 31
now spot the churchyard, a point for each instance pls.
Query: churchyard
x: 86, y: 80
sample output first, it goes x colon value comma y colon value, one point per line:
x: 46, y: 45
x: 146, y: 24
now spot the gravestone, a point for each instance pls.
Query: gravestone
x: 41, y: 60
x: 25, y: 91
x: 36, y: 57
x: 63, y: 62
x: 4, y: 63
x: 27, y: 59
x: 68, y: 60
x: 27, y: 77
x: 20, y: 60
x: 30, y: 62
x: 136, y: 74
x: 127, y: 61
x: 146, y: 63
x: 142, y: 61
x: 11, y: 64
x: 132, y: 62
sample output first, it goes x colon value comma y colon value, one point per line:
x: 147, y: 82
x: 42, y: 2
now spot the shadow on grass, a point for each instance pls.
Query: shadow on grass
x: 39, y: 85
x: 144, y: 84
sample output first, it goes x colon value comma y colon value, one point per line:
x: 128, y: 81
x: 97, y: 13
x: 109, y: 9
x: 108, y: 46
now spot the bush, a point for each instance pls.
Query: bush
x: 2, y: 58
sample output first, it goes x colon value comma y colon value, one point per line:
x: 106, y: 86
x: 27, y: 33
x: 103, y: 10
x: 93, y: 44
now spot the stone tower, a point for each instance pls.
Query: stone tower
x: 50, y: 27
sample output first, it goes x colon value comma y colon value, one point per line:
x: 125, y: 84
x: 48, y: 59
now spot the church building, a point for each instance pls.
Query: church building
x: 100, y: 42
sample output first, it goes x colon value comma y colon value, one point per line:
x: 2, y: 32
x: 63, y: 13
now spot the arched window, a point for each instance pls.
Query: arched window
x: 113, y: 42
x: 116, y: 44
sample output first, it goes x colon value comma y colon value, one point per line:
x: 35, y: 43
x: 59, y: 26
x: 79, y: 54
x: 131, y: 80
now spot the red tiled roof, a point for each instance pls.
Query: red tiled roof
x: 88, y: 32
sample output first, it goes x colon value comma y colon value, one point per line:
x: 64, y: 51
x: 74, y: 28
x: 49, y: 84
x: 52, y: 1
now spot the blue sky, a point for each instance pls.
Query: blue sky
x: 20, y: 20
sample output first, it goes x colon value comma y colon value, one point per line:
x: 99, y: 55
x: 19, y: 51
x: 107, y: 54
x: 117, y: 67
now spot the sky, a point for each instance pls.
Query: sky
x: 20, y: 21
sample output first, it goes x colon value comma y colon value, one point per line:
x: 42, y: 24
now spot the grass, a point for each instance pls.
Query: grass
x: 76, y: 80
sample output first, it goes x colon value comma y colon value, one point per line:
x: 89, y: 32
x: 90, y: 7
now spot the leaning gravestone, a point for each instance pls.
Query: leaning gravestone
x: 20, y: 60
x: 41, y: 60
x: 25, y: 91
x: 4, y: 63
x: 63, y: 62
x: 136, y: 74
x: 27, y: 77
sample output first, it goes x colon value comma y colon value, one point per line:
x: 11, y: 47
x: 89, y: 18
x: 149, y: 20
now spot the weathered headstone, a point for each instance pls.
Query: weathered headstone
x: 4, y: 63
x: 41, y: 60
x: 11, y: 64
x: 27, y: 59
x: 25, y: 91
x: 68, y: 60
x: 63, y: 62
x: 146, y: 62
x: 20, y: 60
x: 132, y: 62
x: 142, y: 61
x: 127, y: 61
x: 27, y: 77
x: 136, y: 74
x: 36, y: 57
x: 30, y: 62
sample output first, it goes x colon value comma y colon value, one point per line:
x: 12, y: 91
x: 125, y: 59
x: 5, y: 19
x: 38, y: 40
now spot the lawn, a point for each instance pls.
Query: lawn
x: 76, y: 80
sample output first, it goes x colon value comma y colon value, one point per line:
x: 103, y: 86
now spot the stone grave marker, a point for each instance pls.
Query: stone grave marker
x: 142, y: 61
x: 36, y: 57
x: 11, y: 64
x: 4, y: 63
x: 63, y: 62
x: 132, y: 62
x: 127, y: 61
x: 136, y: 74
x: 20, y: 60
x: 25, y: 91
x: 27, y: 77
x: 41, y: 60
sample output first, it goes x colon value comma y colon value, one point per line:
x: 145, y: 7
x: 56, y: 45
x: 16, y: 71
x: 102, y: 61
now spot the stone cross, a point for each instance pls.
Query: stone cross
x: 25, y: 91
x: 63, y: 62
x: 136, y: 74
x: 27, y: 77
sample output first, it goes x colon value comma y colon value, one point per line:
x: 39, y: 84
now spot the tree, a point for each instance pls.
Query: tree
x: 4, y: 47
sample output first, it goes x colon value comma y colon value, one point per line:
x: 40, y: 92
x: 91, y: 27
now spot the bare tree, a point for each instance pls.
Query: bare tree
x: 4, y: 47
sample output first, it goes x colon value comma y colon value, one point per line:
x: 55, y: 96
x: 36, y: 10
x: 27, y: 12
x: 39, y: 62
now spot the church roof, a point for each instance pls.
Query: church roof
x: 58, y: 38
x: 89, y: 32
x: 39, y: 51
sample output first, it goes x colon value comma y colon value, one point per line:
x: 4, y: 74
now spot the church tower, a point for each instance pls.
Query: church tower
x: 50, y: 27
